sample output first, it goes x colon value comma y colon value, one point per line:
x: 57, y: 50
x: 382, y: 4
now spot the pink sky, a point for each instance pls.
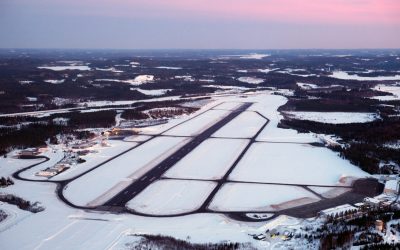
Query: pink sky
x: 327, y: 11
x: 201, y: 23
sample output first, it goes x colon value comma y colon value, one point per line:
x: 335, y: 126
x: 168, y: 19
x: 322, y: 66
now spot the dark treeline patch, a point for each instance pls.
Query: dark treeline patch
x: 148, y: 242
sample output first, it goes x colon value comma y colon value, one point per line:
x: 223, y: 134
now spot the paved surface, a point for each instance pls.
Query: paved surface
x: 136, y: 187
x: 360, y: 188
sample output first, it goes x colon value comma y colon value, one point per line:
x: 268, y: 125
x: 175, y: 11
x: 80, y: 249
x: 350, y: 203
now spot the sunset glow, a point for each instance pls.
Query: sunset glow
x: 374, y: 20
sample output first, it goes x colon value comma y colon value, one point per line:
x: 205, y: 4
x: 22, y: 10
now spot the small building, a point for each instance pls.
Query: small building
x: 391, y: 187
x: 50, y: 172
x: 342, y: 211
x: 372, y: 202
x: 28, y: 153
x: 379, y: 225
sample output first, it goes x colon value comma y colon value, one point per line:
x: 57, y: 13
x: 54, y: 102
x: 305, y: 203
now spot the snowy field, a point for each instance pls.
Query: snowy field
x: 229, y: 105
x: 394, y: 90
x: 209, y: 161
x: 293, y: 164
x: 259, y: 197
x: 62, y: 68
x: 171, y: 197
x: 346, y: 76
x: 334, y: 117
x: 92, y: 189
x: 198, y: 124
x: 55, y: 156
x: 307, y: 86
x: 137, y: 138
x: 152, y: 92
x: 101, y: 155
x: 268, y: 106
x: 65, y: 227
x: 251, y: 80
x: 12, y: 164
x: 245, y: 125
x: 62, y: 226
x: 271, y: 133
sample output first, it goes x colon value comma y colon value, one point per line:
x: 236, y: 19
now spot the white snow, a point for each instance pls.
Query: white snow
x: 111, y: 69
x: 245, y: 125
x: 293, y: 164
x: 251, y: 80
x: 186, y: 78
x: 138, y: 80
x: 11, y: 163
x: 208, y: 161
x: 334, y: 117
x: 394, y: 90
x: 55, y: 156
x: 166, y: 67
x: 99, y: 185
x: 152, y: 92
x: 268, y: 107
x: 100, y: 155
x: 346, y: 76
x: 243, y: 197
x: 228, y: 105
x: 61, y: 68
x: 171, y: 197
x: 306, y: 86
x: 266, y: 71
x: 55, y: 81
x: 254, y: 56
x: 198, y: 124
x: 61, y: 226
x: 137, y: 138
x: 225, y: 87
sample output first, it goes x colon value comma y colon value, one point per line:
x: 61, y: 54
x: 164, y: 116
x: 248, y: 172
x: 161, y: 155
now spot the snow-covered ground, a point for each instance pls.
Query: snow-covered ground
x: 166, y: 67
x: 100, y: 155
x: 394, y: 90
x: 137, y: 138
x: 228, y: 105
x: 271, y: 133
x: 225, y: 87
x: 112, y: 69
x: 346, y: 76
x: 251, y: 80
x: 61, y: 68
x: 153, y: 92
x: 307, y: 86
x: 209, y: 161
x: 52, y: 81
x: 138, y: 80
x: 245, y: 125
x: 266, y: 71
x: 198, y: 124
x: 294, y: 164
x: 55, y: 156
x: 11, y: 163
x: 60, y: 225
x: 101, y: 184
x: 169, y: 197
x: 260, y: 197
x: 329, y: 192
x: 256, y: 56
x: 334, y: 117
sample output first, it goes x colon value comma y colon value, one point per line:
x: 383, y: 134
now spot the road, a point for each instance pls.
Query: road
x: 154, y: 174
